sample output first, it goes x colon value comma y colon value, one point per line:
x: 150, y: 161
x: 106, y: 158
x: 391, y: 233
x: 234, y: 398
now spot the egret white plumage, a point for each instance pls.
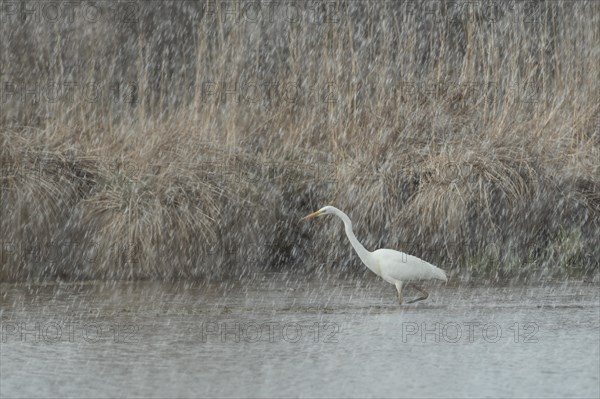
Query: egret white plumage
x: 395, y: 267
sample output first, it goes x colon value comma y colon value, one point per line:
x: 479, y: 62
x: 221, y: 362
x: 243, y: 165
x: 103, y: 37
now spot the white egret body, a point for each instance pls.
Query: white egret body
x: 395, y: 267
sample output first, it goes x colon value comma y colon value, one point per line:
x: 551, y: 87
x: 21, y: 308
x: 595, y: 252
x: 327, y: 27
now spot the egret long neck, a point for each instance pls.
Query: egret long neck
x: 363, y: 254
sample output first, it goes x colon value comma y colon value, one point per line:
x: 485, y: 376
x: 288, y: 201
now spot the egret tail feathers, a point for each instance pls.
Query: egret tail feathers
x: 439, y: 273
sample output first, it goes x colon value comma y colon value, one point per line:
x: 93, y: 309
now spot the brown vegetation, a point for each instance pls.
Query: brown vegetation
x: 171, y: 142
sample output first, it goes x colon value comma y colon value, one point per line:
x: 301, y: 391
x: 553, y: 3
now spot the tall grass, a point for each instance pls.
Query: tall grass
x: 185, y: 140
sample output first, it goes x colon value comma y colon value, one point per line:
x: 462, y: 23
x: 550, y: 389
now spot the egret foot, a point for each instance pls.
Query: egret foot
x: 424, y: 294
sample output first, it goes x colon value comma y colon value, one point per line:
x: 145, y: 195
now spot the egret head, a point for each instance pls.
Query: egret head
x: 323, y: 211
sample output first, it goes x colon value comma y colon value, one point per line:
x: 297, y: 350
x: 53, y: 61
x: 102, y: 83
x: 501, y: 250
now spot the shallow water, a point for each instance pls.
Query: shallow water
x: 278, y: 337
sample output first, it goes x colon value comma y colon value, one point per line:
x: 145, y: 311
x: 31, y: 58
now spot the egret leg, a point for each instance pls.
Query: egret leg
x: 399, y: 288
x: 424, y: 294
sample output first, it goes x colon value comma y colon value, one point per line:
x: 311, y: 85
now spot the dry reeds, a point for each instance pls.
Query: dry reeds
x: 184, y: 140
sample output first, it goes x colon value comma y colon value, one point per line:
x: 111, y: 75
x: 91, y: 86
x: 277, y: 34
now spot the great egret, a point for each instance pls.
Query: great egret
x: 393, y: 266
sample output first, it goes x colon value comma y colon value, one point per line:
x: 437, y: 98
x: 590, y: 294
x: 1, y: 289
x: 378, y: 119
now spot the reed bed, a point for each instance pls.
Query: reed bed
x: 185, y: 140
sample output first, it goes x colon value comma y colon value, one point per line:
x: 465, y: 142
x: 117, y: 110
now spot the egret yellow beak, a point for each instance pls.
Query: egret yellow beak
x: 312, y: 215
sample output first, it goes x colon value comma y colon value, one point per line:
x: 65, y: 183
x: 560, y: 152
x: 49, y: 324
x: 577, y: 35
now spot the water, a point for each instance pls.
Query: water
x: 278, y: 337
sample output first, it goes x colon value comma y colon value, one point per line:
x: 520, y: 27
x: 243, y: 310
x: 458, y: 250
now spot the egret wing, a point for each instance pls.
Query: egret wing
x: 404, y: 267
